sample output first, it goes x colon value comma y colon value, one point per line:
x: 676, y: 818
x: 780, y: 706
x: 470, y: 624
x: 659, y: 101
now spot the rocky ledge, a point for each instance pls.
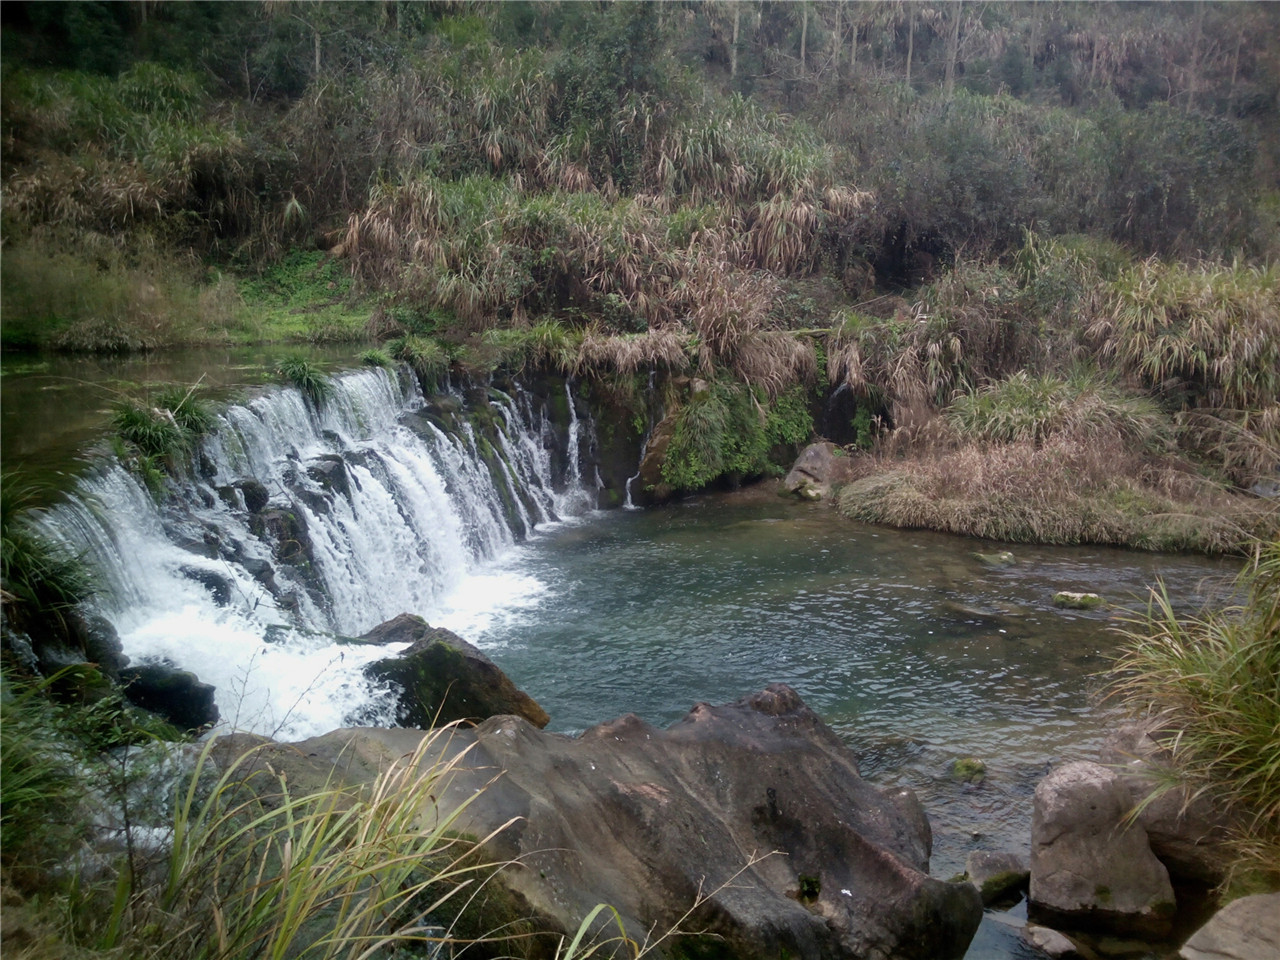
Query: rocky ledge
x: 753, y: 811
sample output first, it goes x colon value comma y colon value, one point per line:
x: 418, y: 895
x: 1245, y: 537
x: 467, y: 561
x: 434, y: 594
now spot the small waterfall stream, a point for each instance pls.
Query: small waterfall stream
x: 301, y: 526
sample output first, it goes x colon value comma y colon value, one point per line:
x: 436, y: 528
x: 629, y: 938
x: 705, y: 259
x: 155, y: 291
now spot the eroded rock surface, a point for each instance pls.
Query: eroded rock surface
x: 755, y: 805
x: 1091, y: 867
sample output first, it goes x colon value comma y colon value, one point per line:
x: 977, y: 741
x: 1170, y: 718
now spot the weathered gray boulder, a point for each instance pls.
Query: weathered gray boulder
x: 755, y: 806
x: 442, y: 678
x: 650, y: 486
x: 819, y: 468
x: 1091, y: 867
x: 997, y: 876
x: 1186, y: 832
x: 1245, y: 929
x: 1052, y: 943
x: 177, y: 695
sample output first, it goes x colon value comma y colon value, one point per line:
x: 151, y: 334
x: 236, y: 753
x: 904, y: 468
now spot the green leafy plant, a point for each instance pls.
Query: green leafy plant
x: 307, y: 377
x: 375, y: 358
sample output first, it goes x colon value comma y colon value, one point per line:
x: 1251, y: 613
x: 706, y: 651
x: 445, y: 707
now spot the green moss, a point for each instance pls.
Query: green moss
x: 969, y: 770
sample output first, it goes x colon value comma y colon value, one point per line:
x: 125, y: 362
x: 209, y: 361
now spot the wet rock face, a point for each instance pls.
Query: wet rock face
x: 1091, y: 867
x: 442, y: 678
x: 755, y: 806
x: 174, y: 694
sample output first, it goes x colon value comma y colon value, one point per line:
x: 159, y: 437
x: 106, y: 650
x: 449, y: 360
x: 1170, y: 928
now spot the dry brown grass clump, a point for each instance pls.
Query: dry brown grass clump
x: 1060, y: 491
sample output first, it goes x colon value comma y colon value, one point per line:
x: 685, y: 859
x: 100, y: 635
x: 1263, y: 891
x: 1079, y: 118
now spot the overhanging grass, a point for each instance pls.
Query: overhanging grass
x: 1214, y: 683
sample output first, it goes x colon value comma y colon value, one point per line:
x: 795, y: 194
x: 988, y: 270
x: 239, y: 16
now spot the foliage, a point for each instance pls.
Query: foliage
x: 429, y: 359
x: 1211, y: 682
x: 727, y: 429
x: 39, y: 577
x: 307, y: 377
x: 375, y: 358
x: 1083, y: 407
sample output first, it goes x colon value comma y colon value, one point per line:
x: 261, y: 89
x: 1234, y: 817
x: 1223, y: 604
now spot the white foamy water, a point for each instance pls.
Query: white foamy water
x: 401, y: 517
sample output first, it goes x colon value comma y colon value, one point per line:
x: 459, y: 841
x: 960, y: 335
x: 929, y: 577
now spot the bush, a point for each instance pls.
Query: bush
x: 1212, y: 682
x: 307, y: 377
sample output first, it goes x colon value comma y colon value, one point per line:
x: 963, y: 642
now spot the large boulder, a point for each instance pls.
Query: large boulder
x: 650, y: 486
x: 1091, y: 866
x: 819, y: 468
x: 1245, y: 929
x: 1187, y: 831
x: 442, y: 678
x: 753, y: 812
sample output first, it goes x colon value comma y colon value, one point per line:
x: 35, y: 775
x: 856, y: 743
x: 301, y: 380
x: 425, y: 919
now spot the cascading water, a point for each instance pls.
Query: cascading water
x: 302, y: 527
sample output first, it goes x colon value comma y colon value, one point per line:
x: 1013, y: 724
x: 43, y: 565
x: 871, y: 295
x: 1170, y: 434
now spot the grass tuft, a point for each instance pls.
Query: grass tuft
x: 1214, y: 683
x: 307, y: 377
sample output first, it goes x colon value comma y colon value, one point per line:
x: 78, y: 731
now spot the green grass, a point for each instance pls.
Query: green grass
x: 1214, y: 683
x: 40, y: 577
x: 305, y: 298
x: 307, y: 377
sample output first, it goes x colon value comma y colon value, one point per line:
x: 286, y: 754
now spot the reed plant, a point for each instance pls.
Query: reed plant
x: 1211, y: 683
x: 39, y: 577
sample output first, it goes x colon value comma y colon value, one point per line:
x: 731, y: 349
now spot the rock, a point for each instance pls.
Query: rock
x: 650, y: 487
x: 174, y: 694
x: 1245, y: 929
x: 287, y: 530
x: 1090, y: 867
x: 330, y: 471
x: 996, y: 561
x: 1051, y: 942
x: 1069, y: 600
x: 1187, y: 832
x: 218, y: 584
x: 756, y: 806
x: 100, y: 642
x: 997, y: 876
x: 255, y: 495
x: 443, y: 678
x: 818, y: 470
x: 968, y: 770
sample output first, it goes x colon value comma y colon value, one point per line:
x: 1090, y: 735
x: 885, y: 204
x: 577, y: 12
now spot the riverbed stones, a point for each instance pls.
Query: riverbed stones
x: 1245, y: 929
x: 818, y: 470
x: 1090, y: 866
x: 442, y: 678
x: 751, y: 813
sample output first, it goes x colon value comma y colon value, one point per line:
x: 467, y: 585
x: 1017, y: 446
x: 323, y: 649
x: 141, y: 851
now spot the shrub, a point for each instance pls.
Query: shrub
x: 1034, y: 408
x: 40, y: 577
x: 1212, y: 682
x: 375, y: 358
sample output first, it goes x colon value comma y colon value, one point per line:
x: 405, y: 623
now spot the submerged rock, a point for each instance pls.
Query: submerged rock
x: 996, y: 561
x: 1090, y: 866
x: 753, y: 811
x: 442, y: 678
x: 1070, y: 600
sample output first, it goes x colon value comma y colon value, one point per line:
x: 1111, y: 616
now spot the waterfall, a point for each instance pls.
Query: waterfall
x: 299, y: 527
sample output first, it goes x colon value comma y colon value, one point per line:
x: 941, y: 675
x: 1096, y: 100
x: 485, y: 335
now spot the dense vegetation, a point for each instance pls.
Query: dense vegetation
x: 915, y: 203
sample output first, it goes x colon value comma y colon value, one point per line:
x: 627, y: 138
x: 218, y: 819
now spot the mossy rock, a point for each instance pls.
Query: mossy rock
x: 969, y: 770
x: 1069, y: 600
x: 443, y: 678
x: 996, y: 561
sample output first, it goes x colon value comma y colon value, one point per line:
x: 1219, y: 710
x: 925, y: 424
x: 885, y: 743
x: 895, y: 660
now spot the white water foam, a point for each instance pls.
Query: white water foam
x: 416, y: 524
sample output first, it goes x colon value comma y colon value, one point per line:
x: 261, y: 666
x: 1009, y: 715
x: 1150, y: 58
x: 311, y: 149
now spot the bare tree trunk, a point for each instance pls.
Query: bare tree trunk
x: 853, y: 45
x: 733, y: 47
x: 835, y: 60
x: 1193, y: 72
x: 953, y: 50
x: 911, y: 40
x: 804, y: 34
x: 1235, y: 72
x: 316, y: 35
